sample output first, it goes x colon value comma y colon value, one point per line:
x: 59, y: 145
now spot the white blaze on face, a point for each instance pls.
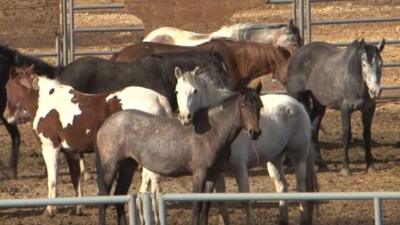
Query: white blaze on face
x: 188, y: 102
x: 55, y: 96
x: 371, y: 76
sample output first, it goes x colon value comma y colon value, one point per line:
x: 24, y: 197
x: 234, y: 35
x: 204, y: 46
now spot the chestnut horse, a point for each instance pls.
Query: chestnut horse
x: 244, y: 60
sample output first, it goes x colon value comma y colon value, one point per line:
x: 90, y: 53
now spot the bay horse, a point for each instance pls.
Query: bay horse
x: 130, y: 138
x: 64, y: 118
x: 244, y: 60
x: 283, y: 35
x: 342, y: 79
x: 8, y: 58
x: 286, y: 132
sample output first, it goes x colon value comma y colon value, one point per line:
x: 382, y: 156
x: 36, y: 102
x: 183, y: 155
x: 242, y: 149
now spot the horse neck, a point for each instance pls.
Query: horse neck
x: 354, y: 63
x: 263, y: 35
x: 225, y: 122
x: 257, y: 60
x: 214, y: 96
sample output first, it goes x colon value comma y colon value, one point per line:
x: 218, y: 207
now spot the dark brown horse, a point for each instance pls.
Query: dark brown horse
x: 244, y: 60
x: 164, y: 146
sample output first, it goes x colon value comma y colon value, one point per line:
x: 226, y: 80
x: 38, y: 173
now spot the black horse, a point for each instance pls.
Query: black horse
x: 343, y: 79
x: 8, y: 58
x: 156, y: 72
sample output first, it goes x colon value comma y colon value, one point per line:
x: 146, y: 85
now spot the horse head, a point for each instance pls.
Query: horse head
x: 371, y: 66
x: 21, y: 88
x: 187, y: 96
x: 290, y: 37
x: 249, y: 105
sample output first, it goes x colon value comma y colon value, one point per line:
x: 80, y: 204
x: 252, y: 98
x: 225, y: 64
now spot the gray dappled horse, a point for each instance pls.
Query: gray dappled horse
x: 345, y: 79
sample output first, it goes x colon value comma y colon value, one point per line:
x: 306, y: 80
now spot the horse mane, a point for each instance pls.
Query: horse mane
x: 212, y: 92
x: 19, y: 60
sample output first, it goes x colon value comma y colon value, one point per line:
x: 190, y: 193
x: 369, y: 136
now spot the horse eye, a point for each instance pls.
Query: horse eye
x: 176, y: 92
x: 195, y: 91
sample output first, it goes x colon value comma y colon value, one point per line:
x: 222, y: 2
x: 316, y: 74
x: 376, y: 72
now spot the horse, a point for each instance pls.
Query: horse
x: 156, y: 72
x: 342, y: 79
x: 64, y: 118
x: 129, y: 138
x: 286, y: 132
x: 283, y: 35
x: 8, y: 58
x: 244, y: 60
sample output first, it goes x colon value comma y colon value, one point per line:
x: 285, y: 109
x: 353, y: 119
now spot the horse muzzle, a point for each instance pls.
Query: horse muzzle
x: 254, y: 134
x: 374, y: 93
x: 185, y: 119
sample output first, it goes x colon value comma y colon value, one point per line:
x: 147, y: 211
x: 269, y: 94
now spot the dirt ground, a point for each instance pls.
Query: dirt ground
x: 385, y: 131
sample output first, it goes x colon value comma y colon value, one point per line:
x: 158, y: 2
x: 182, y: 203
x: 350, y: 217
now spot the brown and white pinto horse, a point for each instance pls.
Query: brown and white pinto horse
x: 244, y: 60
x: 64, y: 118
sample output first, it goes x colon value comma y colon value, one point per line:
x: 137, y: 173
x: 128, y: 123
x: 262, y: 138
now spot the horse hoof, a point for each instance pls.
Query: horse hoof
x: 371, y: 170
x: 345, y: 172
x: 50, y: 211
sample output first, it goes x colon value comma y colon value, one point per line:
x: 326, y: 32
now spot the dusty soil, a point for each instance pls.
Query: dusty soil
x: 32, y: 183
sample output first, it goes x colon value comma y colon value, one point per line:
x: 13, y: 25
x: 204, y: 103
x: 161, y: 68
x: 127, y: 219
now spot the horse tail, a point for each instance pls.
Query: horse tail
x: 311, y: 182
x: 165, y: 105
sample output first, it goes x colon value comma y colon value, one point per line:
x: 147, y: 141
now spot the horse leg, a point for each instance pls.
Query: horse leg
x: 221, y: 188
x: 199, y: 181
x: 144, y: 187
x: 125, y: 174
x: 16, y: 142
x: 346, y: 129
x: 275, y: 171
x: 367, y: 115
x: 301, y: 186
x: 242, y: 179
x: 155, y: 190
x: 73, y: 161
x: 84, y: 172
x: 105, y: 176
x: 50, y: 155
x: 318, y: 112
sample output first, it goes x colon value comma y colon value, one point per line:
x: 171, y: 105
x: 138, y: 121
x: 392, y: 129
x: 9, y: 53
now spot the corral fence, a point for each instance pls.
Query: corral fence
x: 376, y: 197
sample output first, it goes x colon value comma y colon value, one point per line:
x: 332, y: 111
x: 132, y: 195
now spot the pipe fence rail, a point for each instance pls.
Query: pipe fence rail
x: 376, y: 197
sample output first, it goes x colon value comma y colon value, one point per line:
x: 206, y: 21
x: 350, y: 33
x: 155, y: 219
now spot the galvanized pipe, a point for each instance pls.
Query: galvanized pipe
x: 132, y: 210
x: 301, y: 19
x: 108, y: 29
x: 148, y: 210
x: 350, y: 21
x: 65, y: 33
x: 309, y: 26
x: 71, y: 29
x: 378, y: 211
x: 100, y: 6
x: 162, y: 209
x: 294, y: 11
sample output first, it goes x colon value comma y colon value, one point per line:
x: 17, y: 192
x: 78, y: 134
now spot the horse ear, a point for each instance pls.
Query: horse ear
x: 291, y: 24
x: 258, y: 88
x: 35, y: 82
x: 196, y: 70
x: 178, y: 72
x: 381, y: 45
x: 31, y: 68
x: 362, y: 42
x: 24, y: 82
x: 13, y: 72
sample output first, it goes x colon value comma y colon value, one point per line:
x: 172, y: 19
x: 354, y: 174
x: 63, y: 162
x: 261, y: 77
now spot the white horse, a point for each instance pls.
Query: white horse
x: 283, y: 35
x: 286, y: 130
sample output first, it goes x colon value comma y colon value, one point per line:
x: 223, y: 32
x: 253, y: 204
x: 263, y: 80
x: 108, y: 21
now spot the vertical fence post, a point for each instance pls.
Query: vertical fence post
x: 147, y: 208
x: 162, y: 209
x: 132, y: 210
x: 378, y: 211
x: 71, y: 28
x: 294, y: 11
x: 301, y: 17
x: 309, y: 26
x: 64, y: 33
